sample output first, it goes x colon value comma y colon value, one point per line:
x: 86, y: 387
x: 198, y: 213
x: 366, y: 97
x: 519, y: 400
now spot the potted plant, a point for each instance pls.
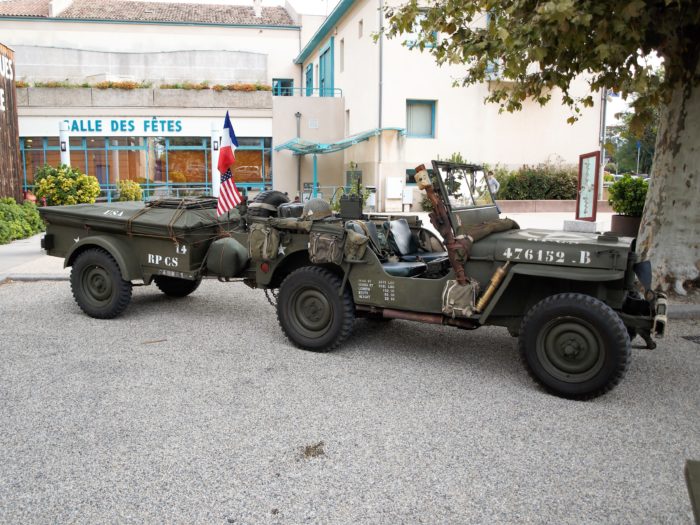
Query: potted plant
x: 626, y: 197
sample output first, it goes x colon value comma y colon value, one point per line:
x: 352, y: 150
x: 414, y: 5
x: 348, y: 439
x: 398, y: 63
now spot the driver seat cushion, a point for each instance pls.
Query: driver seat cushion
x: 406, y: 245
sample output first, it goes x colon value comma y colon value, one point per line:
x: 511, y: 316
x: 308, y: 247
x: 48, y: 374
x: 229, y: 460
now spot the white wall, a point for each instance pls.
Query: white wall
x: 464, y: 123
x: 280, y: 45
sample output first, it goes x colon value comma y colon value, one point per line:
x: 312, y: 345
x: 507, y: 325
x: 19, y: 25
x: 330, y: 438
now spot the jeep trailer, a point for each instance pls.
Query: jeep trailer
x: 574, y: 300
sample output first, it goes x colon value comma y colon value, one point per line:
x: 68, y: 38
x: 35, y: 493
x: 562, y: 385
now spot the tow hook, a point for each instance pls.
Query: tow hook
x: 661, y: 318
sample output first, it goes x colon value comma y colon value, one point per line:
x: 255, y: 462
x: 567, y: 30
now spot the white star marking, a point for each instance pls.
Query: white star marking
x: 281, y: 251
x: 76, y: 239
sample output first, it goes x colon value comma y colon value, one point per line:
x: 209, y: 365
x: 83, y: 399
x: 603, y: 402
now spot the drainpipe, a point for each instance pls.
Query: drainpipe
x: 298, y: 116
x: 380, y: 189
x: 603, y: 117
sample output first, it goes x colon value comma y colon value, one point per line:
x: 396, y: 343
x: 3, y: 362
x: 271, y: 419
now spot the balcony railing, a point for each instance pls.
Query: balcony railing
x: 307, y: 92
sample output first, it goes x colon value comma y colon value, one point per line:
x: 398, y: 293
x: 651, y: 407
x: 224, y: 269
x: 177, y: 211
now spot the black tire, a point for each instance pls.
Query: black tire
x: 271, y: 198
x: 574, y: 345
x: 174, y: 287
x: 312, y: 313
x: 97, y: 284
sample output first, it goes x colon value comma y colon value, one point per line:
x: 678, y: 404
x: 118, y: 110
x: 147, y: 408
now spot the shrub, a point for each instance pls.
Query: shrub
x: 544, y: 181
x: 129, y: 190
x: 627, y: 195
x: 121, y: 84
x: 59, y: 84
x: 199, y: 86
x: 241, y: 86
x: 18, y: 221
x: 21, y: 84
x: 65, y: 185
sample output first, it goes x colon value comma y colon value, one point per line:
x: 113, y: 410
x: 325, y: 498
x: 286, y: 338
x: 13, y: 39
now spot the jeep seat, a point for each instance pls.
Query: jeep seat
x: 406, y: 244
x: 404, y: 269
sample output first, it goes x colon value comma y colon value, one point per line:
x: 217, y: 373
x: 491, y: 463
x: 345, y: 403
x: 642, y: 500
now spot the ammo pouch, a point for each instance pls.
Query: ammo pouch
x: 263, y: 242
x: 355, y: 246
x: 326, y: 247
x: 458, y: 300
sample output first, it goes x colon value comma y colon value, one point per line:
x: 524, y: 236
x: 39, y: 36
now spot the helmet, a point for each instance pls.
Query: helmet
x: 316, y: 209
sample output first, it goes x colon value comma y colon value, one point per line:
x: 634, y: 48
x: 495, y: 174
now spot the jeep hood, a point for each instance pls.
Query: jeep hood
x: 556, y: 248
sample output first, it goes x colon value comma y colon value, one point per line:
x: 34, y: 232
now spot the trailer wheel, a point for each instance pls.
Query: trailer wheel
x: 574, y: 345
x: 267, y: 198
x: 174, y: 287
x: 97, y: 284
x: 311, y: 311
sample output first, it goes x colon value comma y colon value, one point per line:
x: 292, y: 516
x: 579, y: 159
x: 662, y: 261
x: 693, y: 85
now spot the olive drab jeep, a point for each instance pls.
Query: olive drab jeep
x: 573, y: 300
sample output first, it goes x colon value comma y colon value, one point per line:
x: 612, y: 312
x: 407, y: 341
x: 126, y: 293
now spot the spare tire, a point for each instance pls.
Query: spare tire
x: 265, y: 204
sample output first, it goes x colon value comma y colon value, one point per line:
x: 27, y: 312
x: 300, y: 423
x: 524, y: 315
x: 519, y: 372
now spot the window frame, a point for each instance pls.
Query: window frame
x: 280, y: 90
x: 433, y: 111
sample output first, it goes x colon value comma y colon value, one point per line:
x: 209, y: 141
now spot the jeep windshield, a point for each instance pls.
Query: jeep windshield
x: 463, y: 185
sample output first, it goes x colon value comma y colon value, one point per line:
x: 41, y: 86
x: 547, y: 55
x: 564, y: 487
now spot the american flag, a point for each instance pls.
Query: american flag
x: 229, y: 196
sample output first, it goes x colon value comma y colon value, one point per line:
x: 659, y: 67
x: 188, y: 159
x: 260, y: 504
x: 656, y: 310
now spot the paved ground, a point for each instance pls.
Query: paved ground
x: 199, y: 411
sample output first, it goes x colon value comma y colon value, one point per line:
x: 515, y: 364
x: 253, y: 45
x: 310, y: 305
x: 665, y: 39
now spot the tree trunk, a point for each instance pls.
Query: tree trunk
x: 669, y: 235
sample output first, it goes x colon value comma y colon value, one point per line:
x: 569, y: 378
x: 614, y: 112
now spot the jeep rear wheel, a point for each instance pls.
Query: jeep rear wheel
x: 174, y: 287
x: 312, y: 312
x: 97, y: 284
x: 574, y: 345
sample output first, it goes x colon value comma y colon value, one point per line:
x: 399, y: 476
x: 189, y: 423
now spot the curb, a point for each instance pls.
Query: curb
x: 32, y: 277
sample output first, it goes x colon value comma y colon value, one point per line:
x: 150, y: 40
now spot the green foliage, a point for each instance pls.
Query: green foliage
x: 353, y: 190
x: 622, y: 143
x: 18, y: 221
x: 608, y: 177
x: 425, y: 204
x: 129, y: 190
x: 627, y: 195
x: 65, y: 185
x: 542, y: 45
x: 545, y: 181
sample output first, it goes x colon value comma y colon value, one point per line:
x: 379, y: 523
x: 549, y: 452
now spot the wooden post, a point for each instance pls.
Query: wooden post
x: 10, y: 169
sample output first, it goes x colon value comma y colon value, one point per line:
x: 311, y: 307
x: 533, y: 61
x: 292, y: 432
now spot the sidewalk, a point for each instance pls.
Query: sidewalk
x: 24, y: 260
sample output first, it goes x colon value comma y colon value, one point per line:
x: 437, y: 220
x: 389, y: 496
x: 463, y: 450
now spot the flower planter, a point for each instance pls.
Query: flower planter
x: 625, y: 225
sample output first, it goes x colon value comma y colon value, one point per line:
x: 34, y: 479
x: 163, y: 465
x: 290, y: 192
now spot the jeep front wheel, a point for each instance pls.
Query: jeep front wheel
x: 97, y: 284
x: 312, y: 311
x: 574, y: 345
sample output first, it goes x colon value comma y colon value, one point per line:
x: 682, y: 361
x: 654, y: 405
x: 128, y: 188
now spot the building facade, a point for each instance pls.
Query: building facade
x: 329, y: 81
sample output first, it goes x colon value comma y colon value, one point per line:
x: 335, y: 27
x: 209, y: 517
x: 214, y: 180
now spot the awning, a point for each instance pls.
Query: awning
x: 309, y: 147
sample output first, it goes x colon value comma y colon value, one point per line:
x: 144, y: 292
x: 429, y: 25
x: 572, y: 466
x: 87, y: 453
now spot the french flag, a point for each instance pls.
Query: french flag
x: 229, y: 196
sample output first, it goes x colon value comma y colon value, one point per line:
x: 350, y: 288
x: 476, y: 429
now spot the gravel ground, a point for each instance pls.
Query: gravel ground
x: 199, y: 411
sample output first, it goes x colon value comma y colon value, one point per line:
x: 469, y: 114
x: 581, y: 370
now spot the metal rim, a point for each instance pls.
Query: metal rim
x: 311, y: 313
x: 98, y: 285
x: 570, y: 349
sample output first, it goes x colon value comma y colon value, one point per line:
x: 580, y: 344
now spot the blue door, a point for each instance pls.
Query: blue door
x: 325, y: 71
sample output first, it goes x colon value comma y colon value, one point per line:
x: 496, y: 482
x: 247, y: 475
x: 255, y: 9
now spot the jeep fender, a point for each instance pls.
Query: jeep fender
x: 128, y: 265
x: 551, y: 272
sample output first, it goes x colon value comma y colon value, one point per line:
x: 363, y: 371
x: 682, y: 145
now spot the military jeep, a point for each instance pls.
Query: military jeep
x: 574, y: 300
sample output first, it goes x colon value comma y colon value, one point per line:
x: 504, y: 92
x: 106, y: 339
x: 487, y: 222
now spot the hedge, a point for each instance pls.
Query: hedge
x: 18, y: 221
x: 542, y: 182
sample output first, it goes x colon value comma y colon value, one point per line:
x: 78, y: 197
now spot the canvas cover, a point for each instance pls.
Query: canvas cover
x: 166, y: 219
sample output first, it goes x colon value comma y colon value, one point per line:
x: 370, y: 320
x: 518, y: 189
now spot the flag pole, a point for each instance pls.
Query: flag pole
x: 215, y: 145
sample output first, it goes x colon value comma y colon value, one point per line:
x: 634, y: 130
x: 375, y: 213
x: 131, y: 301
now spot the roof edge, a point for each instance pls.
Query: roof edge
x: 145, y: 22
x: 321, y: 33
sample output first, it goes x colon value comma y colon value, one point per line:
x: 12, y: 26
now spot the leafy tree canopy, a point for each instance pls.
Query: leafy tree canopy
x: 541, y: 45
x: 622, y: 144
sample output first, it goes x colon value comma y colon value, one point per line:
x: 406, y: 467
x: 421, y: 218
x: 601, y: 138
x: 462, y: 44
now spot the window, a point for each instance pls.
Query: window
x: 412, y: 37
x: 309, y: 80
x: 347, y: 122
x: 420, y: 118
x: 360, y: 29
x: 342, y: 54
x: 282, y: 87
